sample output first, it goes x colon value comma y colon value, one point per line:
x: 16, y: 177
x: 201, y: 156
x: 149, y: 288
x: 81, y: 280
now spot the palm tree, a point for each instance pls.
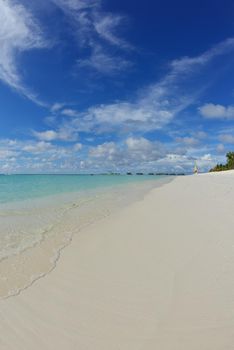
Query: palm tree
x: 228, y: 166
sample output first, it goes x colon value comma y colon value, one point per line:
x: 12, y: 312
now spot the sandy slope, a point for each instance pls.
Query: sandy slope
x: 157, y: 275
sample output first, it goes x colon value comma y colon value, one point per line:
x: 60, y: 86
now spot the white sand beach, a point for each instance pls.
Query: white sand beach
x: 158, y: 274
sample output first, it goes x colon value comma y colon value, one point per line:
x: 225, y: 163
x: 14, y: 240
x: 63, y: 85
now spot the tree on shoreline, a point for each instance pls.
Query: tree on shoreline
x: 228, y: 166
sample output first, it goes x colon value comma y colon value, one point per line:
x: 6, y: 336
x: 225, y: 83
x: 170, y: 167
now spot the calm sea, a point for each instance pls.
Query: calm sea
x: 24, y: 187
x: 40, y: 214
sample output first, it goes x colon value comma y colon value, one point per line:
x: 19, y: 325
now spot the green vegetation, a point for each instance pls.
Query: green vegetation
x: 228, y: 166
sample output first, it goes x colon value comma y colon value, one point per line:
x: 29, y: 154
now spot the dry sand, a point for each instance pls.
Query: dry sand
x: 156, y: 275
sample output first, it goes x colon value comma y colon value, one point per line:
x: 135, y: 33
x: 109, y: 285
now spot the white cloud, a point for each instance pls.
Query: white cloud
x: 56, y: 107
x: 140, y: 154
x: 37, y: 156
x: 220, y: 148
x: 150, y: 112
x: 133, y: 153
x: 141, y: 149
x: 91, y: 22
x: 106, y: 26
x: 76, y: 4
x: 6, y: 154
x: 216, y: 111
x: 157, y: 105
x: 152, y: 108
x: 201, y: 134
x: 103, y: 62
x: 227, y: 138
x: 97, y: 31
x: 18, y: 33
x: 48, y: 135
x: 70, y: 112
x: 105, y: 151
x: 188, y: 140
x: 77, y: 147
x: 138, y: 144
x: 206, y: 157
x: 138, y: 116
x: 62, y: 134
x: 185, y: 163
x: 38, y: 147
x: 186, y: 64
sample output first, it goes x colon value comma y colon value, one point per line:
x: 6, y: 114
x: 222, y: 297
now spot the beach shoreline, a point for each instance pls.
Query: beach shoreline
x: 43, y: 227
x: 157, y: 274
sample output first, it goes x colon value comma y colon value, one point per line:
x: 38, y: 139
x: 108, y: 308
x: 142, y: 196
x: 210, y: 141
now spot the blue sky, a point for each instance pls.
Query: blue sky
x: 115, y: 85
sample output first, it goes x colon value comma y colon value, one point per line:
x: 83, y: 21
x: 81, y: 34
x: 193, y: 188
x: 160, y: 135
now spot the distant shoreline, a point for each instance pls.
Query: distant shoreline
x: 100, y: 174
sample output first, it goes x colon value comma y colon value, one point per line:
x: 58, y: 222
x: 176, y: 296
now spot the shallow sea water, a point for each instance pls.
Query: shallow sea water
x: 39, y: 214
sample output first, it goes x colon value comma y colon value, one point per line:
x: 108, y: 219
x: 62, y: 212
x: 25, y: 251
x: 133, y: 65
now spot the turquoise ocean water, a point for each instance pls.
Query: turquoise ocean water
x: 24, y: 187
x: 40, y: 214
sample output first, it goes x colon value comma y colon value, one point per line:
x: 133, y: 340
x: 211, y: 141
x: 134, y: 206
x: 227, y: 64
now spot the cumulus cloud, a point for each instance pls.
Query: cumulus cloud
x: 206, y: 157
x: 38, y: 156
x: 130, y: 116
x: 77, y: 147
x: 141, y: 149
x: 107, y: 151
x: 220, y: 148
x: 227, y: 138
x: 6, y: 154
x: 19, y: 33
x: 133, y: 153
x: 154, y: 107
x: 62, y: 134
x: 216, y: 111
x: 185, y: 163
x: 152, y: 110
x: 48, y: 135
x: 188, y: 140
x: 140, y: 154
x: 201, y: 134
x: 38, y: 147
